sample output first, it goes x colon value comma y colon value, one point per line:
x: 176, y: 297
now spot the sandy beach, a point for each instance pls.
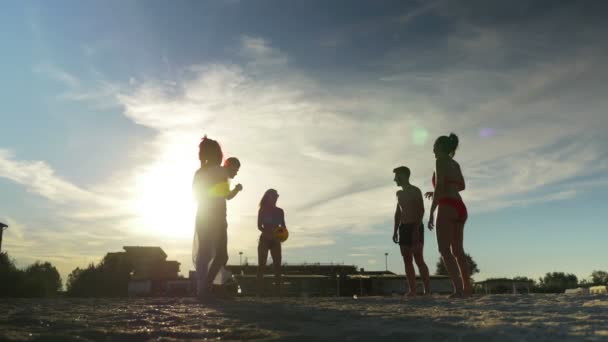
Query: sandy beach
x: 484, y: 318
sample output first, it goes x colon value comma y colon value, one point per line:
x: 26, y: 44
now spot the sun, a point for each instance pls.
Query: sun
x: 163, y: 202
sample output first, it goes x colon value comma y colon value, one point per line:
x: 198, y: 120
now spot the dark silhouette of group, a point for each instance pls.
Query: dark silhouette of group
x: 211, y: 188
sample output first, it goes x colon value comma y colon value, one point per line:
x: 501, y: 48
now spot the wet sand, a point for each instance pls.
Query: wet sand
x: 484, y: 318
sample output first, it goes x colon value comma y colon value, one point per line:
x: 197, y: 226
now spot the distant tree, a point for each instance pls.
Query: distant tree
x: 441, y: 270
x: 11, y: 278
x: 116, y: 273
x: 85, y: 282
x: 110, y: 278
x: 599, y: 278
x: 37, y: 280
x: 41, y: 280
x: 557, y: 282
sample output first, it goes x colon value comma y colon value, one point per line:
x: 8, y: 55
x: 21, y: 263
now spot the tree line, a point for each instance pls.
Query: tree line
x: 110, y: 278
x: 40, y: 279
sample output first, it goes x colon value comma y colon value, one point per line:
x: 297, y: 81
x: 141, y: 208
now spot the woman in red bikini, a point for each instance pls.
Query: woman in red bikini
x: 452, y: 214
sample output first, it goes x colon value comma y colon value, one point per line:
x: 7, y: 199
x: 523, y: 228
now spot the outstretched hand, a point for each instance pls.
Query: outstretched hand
x: 428, y: 194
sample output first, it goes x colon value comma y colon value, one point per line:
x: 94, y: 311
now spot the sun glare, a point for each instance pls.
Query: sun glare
x: 164, y: 202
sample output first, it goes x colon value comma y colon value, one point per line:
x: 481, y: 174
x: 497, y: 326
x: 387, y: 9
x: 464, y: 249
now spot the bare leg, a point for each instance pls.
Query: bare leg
x: 262, y: 257
x: 422, y: 268
x: 203, y: 258
x: 221, y: 254
x: 410, y: 273
x: 276, y: 254
x: 202, y: 264
x: 458, y: 252
x: 445, y: 235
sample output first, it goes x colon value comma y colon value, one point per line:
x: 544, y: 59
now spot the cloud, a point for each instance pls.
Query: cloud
x: 332, y: 158
x: 57, y: 75
x: 418, y: 11
x: 39, y: 178
x: 259, y: 52
x: 97, y: 92
x: 74, y: 226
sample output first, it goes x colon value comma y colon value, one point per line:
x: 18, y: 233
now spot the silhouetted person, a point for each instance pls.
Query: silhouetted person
x: 409, y: 229
x: 211, y: 189
x: 270, y: 217
x: 452, y: 213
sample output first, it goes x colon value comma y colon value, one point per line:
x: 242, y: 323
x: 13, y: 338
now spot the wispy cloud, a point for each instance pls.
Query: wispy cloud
x: 38, y: 177
x: 57, y: 75
x: 96, y: 92
x: 425, y: 7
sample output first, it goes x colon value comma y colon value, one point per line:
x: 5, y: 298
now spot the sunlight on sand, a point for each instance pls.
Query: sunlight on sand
x: 535, y: 317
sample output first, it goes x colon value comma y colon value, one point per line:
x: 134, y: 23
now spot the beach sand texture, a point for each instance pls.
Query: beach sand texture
x: 535, y: 317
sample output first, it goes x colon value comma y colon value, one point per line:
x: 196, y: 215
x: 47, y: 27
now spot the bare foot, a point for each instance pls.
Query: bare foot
x: 456, y: 295
x: 411, y: 294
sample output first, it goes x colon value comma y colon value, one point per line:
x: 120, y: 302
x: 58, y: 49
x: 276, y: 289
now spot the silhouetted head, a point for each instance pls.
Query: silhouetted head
x: 446, y: 145
x: 232, y: 165
x: 402, y: 175
x: 269, y: 200
x: 210, y: 152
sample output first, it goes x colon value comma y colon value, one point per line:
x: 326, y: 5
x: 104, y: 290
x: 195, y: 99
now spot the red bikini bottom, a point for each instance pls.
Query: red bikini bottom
x: 457, y: 204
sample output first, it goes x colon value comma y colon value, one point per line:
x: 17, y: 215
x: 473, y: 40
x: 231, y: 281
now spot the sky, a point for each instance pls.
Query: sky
x: 103, y: 105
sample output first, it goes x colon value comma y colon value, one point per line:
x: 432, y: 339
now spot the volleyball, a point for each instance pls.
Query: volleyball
x: 281, y: 234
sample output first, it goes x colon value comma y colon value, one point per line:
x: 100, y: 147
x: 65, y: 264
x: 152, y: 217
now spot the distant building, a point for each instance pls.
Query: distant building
x: 300, y: 285
x: 601, y: 289
x: 2, y: 228
x: 148, y: 262
x: 326, y: 269
x: 503, y: 285
x: 152, y: 273
x: 319, y: 279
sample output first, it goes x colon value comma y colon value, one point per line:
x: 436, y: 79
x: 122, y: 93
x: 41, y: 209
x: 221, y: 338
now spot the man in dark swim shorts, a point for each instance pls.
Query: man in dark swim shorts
x: 409, y: 229
x: 410, y: 234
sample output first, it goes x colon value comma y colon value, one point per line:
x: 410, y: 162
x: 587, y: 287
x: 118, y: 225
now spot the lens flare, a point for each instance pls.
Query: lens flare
x: 419, y: 136
x: 485, y: 133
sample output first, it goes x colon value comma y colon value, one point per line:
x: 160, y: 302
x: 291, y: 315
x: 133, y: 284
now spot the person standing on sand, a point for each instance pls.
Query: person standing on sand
x: 211, y: 189
x: 222, y: 190
x: 270, y: 217
x: 409, y: 230
x: 448, y: 182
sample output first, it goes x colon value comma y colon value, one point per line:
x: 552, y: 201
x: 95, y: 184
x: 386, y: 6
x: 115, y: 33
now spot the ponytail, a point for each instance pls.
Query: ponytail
x: 447, y: 144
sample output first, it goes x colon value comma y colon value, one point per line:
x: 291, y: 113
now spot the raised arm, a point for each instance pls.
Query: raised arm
x: 234, y: 192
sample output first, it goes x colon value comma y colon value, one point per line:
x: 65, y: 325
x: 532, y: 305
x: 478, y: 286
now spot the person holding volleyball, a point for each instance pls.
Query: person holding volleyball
x: 271, y: 223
